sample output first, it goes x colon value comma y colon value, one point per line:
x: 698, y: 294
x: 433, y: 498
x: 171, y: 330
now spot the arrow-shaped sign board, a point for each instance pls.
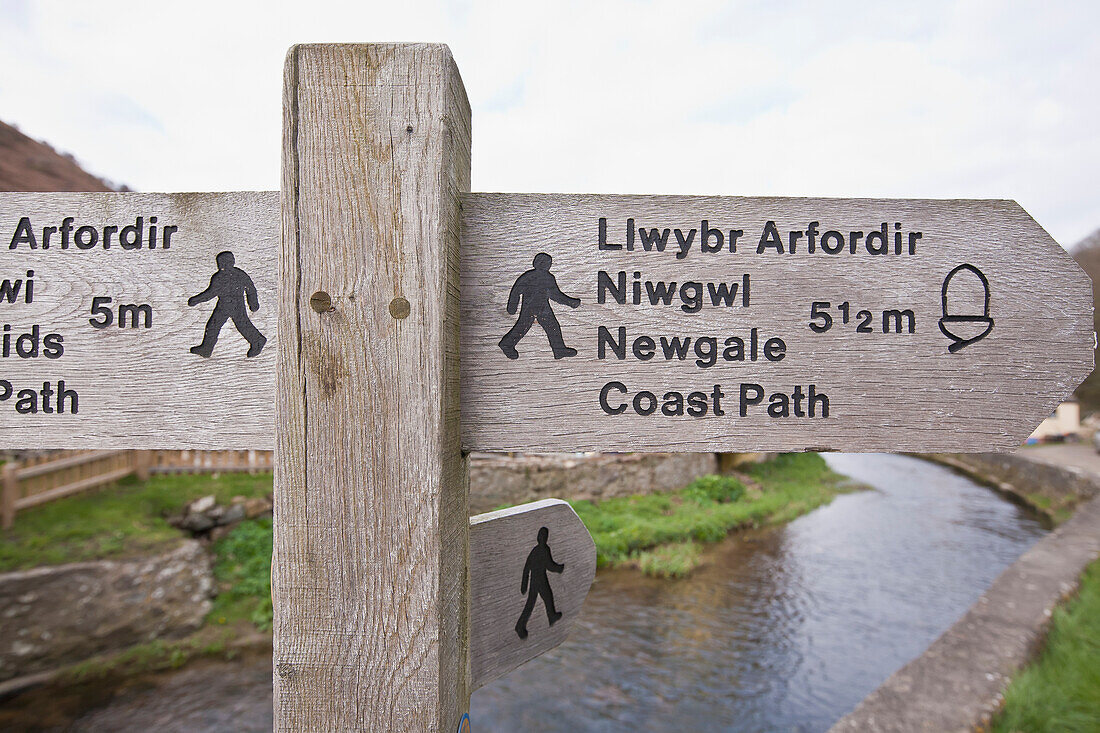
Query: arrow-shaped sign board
x: 136, y: 320
x: 588, y: 322
x: 743, y: 324
x: 530, y: 570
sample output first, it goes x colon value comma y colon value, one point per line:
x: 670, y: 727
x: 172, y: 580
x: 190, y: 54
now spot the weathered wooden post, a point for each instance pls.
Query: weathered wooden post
x: 143, y: 464
x: 8, y: 494
x: 370, y: 564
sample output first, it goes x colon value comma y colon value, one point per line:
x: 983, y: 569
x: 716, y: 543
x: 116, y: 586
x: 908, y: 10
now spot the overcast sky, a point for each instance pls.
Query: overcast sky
x: 975, y: 99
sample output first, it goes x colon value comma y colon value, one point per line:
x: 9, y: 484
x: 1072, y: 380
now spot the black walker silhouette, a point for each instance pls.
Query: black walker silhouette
x: 232, y: 287
x: 537, y: 287
x: 538, y: 562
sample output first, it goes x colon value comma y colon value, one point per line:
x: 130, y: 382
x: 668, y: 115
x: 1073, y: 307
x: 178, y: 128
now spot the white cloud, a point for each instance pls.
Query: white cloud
x: 937, y: 99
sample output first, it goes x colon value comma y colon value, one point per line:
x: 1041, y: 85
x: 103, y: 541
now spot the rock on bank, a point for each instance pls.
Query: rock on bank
x: 52, y: 616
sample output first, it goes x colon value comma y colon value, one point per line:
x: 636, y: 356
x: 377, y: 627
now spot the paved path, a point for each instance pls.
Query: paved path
x: 1082, y: 455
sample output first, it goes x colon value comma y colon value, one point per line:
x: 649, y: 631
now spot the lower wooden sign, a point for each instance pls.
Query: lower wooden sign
x: 530, y: 570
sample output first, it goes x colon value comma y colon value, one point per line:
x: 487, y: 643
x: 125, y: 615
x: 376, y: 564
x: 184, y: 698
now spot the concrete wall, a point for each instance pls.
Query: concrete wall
x: 498, y: 479
x: 957, y: 684
x: 1026, y: 475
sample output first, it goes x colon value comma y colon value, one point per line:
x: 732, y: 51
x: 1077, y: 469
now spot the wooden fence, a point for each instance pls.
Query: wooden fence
x: 51, y: 475
x: 210, y: 461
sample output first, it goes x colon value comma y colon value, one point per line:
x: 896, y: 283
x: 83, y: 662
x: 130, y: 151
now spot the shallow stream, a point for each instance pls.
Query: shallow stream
x: 783, y: 629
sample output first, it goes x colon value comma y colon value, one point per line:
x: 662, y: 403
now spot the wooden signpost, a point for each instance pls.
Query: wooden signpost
x: 375, y: 321
x: 539, y: 554
x: 747, y: 324
x: 135, y: 320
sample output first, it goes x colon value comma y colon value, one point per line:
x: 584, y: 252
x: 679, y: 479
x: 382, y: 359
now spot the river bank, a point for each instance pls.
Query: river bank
x: 1053, y: 480
x: 661, y: 533
x: 959, y: 683
x: 782, y: 627
x: 1060, y: 691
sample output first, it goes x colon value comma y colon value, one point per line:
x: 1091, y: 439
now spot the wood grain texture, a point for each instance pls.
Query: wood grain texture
x: 138, y: 387
x: 888, y: 392
x: 369, y: 575
x: 9, y: 495
x: 500, y: 542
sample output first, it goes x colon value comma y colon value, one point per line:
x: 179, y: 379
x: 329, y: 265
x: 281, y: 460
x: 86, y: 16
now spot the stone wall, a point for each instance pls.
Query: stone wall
x: 53, y: 616
x: 1027, y: 476
x: 498, y: 479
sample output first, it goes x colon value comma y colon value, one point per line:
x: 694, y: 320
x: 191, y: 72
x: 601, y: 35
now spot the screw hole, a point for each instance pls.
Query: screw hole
x: 399, y: 307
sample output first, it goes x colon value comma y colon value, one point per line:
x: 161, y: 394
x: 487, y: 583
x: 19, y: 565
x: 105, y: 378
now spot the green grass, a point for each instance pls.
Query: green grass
x: 669, y: 561
x: 152, y: 656
x: 658, y: 533
x: 242, y: 568
x: 662, y: 534
x: 1056, y: 510
x: 124, y: 520
x: 1061, y: 690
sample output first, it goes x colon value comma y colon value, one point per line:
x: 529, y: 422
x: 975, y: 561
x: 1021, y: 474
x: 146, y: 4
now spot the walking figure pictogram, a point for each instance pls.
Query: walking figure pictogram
x: 539, y: 561
x: 232, y: 287
x: 537, y: 287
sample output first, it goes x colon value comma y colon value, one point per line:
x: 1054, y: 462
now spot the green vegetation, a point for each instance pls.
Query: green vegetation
x: 1056, y: 510
x: 669, y: 561
x: 1061, y: 690
x: 124, y: 520
x: 662, y: 534
x: 153, y: 656
x: 242, y: 567
x: 659, y: 533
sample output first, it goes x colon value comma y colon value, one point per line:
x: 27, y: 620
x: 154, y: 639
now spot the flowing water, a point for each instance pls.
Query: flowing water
x: 783, y: 629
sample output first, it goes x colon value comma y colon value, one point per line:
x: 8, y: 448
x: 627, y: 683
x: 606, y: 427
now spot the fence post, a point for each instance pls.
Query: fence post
x: 370, y: 566
x: 9, y: 495
x: 143, y: 460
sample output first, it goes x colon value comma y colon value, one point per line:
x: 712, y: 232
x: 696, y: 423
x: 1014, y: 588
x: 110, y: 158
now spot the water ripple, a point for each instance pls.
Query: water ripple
x: 784, y: 629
